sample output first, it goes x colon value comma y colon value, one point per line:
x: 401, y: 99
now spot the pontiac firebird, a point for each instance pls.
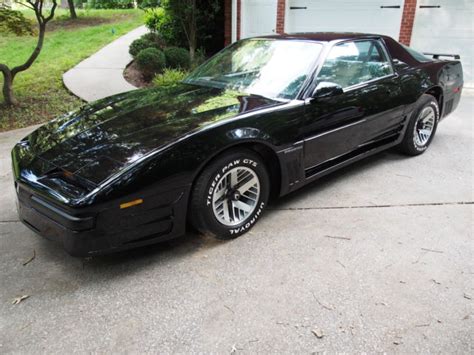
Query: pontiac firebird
x: 263, y: 117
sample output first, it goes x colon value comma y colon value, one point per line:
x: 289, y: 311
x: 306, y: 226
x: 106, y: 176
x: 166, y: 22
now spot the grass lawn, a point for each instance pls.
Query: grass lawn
x: 40, y: 89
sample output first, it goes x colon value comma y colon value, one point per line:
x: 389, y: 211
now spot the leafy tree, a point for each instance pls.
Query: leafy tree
x: 10, y: 73
x: 192, y: 18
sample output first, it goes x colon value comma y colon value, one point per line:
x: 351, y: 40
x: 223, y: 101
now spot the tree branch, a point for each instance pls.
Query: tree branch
x: 4, y: 69
x: 23, y: 4
x: 51, y: 13
x: 42, y: 29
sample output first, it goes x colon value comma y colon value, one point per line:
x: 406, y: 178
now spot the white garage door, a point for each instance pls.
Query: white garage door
x: 258, y: 17
x: 370, y: 16
x: 446, y: 26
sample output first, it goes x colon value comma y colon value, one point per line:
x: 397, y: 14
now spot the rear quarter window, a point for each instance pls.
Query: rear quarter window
x: 417, y: 55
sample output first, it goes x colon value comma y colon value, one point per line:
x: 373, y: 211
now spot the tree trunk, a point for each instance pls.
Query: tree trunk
x: 9, y: 74
x: 192, y: 51
x: 192, y: 31
x: 72, y: 9
x: 8, y: 96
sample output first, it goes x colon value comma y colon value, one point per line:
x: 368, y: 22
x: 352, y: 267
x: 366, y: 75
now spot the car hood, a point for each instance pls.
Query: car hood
x: 98, y: 140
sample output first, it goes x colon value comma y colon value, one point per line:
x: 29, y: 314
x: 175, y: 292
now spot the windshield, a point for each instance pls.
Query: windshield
x: 266, y: 67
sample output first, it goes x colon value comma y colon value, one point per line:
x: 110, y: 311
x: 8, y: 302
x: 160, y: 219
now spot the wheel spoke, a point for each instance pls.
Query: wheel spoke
x: 230, y: 209
x: 226, y: 215
x: 249, y: 184
x: 425, y: 132
x: 234, y: 180
x: 242, y: 206
x: 219, y: 193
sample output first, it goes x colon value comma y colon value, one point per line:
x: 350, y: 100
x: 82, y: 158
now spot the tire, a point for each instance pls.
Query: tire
x: 230, y: 195
x: 421, y: 127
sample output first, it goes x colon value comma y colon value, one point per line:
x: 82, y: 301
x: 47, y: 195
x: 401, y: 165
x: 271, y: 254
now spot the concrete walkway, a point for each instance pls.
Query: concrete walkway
x: 101, y: 74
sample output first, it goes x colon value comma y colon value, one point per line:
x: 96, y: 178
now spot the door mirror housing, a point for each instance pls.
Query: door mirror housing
x: 327, y: 89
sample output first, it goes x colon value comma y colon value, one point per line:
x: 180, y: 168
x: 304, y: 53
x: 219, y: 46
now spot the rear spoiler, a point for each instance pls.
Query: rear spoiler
x: 437, y: 55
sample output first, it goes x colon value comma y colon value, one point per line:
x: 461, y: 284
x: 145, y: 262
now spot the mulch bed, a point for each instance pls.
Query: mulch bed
x: 135, y: 77
x: 82, y: 21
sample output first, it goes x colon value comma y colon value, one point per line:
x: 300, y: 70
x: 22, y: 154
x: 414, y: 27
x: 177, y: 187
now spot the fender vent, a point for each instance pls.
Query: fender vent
x: 293, y: 168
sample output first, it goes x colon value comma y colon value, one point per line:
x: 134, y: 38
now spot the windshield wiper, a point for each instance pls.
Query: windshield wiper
x: 207, y: 80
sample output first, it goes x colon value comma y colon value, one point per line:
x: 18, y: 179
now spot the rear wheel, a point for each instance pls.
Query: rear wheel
x: 230, y: 195
x: 422, y: 127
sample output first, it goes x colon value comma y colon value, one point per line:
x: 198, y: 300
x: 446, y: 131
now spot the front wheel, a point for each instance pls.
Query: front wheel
x: 421, y: 127
x: 230, y: 195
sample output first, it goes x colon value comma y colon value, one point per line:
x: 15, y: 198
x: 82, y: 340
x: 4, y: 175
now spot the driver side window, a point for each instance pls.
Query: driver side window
x: 355, y: 62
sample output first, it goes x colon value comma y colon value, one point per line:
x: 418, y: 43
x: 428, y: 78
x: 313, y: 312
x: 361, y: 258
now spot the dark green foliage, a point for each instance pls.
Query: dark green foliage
x: 155, y: 38
x: 199, y: 22
x: 169, y: 27
x: 151, y: 61
x: 146, y: 4
x: 177, y: 58
x: 14, y: 22
x: 110, y: 4
x: 199, y: 57
x: 170, y: 77
x: 138, y: 45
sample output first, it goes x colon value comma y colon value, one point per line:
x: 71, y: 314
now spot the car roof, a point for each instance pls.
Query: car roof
x: 323, y: 36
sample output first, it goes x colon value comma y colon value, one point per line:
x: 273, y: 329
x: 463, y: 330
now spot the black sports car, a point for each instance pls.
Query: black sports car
x: 262, y: 117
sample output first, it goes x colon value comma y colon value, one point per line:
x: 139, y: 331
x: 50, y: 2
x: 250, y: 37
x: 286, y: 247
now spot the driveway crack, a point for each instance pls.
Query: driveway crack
x: 375, y: 206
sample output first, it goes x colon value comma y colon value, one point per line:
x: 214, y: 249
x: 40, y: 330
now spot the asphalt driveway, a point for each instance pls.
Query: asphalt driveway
x: 377, y: 257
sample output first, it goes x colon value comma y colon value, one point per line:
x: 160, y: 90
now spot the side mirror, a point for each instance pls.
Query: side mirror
x: 399, y: 65
x: 327, y: 89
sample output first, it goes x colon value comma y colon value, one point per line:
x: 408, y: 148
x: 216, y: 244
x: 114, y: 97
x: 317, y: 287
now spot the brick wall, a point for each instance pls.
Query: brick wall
x: 408, y: 18
x: 227, y: 22
x: 239, y: 10
x: 280, y: 25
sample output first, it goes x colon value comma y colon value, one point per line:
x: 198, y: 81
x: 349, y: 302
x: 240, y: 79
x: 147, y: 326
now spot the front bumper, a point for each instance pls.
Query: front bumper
x: 87, y: 232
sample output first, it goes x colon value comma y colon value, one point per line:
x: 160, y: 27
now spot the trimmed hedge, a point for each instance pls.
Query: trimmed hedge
x: 177, y: 58
x: 154, y: 38
x: 151, y: 61
x: 138, y: 45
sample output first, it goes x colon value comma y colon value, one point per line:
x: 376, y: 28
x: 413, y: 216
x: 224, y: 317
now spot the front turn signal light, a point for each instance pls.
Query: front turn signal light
x: 131, y: 203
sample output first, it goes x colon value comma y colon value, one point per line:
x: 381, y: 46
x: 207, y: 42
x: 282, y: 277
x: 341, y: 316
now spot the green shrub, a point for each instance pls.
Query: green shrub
x: 170, y: 29
x: 15, y: 22
x: 138, y: 45
x: 169, y: 77
x: 177, y: 58
x: 154, y: 17
x: 151, y: 61
x: 155, y: 38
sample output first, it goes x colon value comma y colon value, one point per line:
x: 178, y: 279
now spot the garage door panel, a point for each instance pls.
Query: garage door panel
x: 446, y: 26
x: 258, y: 17
x: 372, y: 16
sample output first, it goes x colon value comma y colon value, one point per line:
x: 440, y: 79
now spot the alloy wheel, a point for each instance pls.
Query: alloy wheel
x: 236, y: 195
x: 424, y: 125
